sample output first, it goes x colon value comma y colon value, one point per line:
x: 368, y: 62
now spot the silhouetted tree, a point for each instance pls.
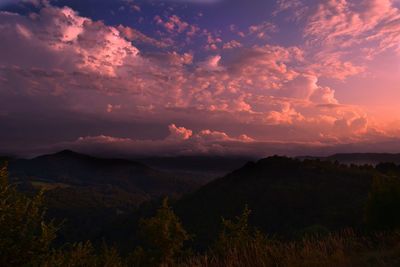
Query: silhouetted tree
x: 164, y: 236
x: 25, y: 237
x: 237, y: 234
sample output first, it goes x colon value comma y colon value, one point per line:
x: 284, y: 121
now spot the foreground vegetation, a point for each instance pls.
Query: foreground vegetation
x: 27, y: 238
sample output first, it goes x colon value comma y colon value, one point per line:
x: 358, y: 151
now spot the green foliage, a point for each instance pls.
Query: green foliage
x: 25, y: 237
x: 164, y: 235
x: 235, y: 233
x: 383, y: 205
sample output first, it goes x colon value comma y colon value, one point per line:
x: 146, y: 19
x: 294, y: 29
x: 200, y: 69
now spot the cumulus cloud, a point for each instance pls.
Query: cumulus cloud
x: 136, y: 36
x: 79, y: 42
x: 211, y: 64
x: 208, y: 142
x: 232, y: 45
x: 93, y: 73
x: 178, y: 133
x: 180, y: 141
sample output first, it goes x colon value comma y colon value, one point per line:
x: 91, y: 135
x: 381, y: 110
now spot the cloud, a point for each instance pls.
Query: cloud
x: 89, y: 78
x: 196, y: 1
x: 211, y: 64
x: 172, y: 24
x: 36, y: 3
x: 79, y: 42
x: 180, y: 141
x: 232, y: 45
x: 178, y: 133
x: 367, y: 23
x: 263, y: 30
x: 296, y: 6
x: 136, y: 36
x: 208, y: 142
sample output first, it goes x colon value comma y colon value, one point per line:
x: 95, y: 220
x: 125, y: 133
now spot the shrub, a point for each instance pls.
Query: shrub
x: 25, y: 237
x: 164, y: 236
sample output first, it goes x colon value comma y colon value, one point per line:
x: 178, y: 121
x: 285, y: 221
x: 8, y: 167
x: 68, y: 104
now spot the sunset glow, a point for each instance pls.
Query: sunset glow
x: 228, y: 77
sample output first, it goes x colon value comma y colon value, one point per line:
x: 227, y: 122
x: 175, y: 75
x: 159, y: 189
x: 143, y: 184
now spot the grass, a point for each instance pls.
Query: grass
x: 46, y: 186
x: 336, y: 250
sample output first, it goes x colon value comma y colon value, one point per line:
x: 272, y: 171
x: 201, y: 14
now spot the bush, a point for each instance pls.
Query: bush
x: 164, y: 236
x: 25, y: 237
x: 236, y: 234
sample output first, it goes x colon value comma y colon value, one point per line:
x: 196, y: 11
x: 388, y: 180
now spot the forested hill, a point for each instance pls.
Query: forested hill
x: 76, y: 169
x: 88, y: 193
x: 286, y: 196
x: 201, y: 168
x: 361, y: 158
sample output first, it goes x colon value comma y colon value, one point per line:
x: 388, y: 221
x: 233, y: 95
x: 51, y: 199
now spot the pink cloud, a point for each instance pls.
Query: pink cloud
x: 23, y: 31
x: 287, y: 115
x: 263, y: 30
x: 173, y: 24
x: 91, y: 45
x: 232, y: 45
x: 81, y: 66
x: 296, y: 6
x: 178, y: 133
x: 136, y: 36
x: 342, y: 24
x: 180, y: 141
x: 211, y: 64
x: 324, y: 95
x: 208, y: 142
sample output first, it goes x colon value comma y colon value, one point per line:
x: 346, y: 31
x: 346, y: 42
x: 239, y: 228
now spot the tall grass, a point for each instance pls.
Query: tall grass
x: 336, y: 250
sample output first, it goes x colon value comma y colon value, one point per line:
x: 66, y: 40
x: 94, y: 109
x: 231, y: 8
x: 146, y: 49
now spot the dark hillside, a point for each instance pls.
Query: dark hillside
x: 361, y: 158
x: 202, y: 168
x: 90, y: 192
x: 83, y: 170
x: 287, y: 197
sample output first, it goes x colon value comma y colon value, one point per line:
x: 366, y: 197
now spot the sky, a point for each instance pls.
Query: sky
x: 199, y: 77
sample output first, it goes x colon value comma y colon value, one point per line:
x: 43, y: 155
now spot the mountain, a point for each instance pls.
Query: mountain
x: 90, y: 192
x: 286, y: 196
x: 366, y: 158
x: 201, y: 168
x: 71, y: 168
x: 360, y: 158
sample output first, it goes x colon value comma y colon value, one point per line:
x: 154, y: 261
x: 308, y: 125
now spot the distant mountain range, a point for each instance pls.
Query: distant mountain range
x: 76, y: 169
x: 202, y: 168
x: 360, y: 158
x: 90, y: 192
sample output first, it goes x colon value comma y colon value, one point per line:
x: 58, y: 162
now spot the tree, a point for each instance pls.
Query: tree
x: 164, y: 235
x: 237, y: 233
x: 25, y: 237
